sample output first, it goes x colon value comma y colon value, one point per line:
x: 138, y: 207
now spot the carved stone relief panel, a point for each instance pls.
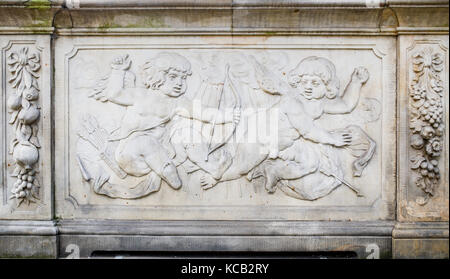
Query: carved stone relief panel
x: 225, y: 128
x: 25, y: 118
x: 423, y: 184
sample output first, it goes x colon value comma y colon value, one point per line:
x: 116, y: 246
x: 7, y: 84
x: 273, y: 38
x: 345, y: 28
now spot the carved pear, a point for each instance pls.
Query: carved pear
x: 14, y: 102
x: 29, y: 115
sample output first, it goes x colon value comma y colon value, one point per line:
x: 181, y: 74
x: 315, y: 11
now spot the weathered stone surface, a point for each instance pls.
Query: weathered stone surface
x: 288, y: 141
x: 420, y: 240
x: 18, y: 246
x: 86, y: 246
x: 95, y: 238
x: 26, y: 128
x: 423, y: 181
x: 232, y: 125
x: 28, y: 239
x: 420, y: 248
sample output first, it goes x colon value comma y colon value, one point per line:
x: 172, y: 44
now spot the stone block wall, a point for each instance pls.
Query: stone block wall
x: 243, y: 126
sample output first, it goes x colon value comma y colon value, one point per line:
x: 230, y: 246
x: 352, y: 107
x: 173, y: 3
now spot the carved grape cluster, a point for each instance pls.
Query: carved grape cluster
x: 25, y: 112
x: 427, y: 113
x: 431, y: 112
x: 24, y: 184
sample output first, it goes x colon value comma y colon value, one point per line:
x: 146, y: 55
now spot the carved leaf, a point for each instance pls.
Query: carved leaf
x: 34, y: 138
x: 416, y: 125
x: 416, y: 161
x: 27, y: 79
x: 13, y: 116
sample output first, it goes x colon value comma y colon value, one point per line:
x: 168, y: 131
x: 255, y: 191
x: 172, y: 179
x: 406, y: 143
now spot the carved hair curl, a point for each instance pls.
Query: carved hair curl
x: 155, y: 70
x: 320, y: 67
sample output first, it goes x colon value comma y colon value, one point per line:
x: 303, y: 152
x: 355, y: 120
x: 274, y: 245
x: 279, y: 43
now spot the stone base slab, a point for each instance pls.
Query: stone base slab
x: 19, y: 246
x: 420, y: 240
x: 86, y: 246
x: 420, y: 248
x: 160, y: 239
x: 28, y: 239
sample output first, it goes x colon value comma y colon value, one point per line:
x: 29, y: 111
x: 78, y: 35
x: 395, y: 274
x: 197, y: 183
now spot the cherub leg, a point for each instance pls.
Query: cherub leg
x: 248, y: 156
x: 217, y: 163
x: 156, y: 157
x: 276, y: 170
x: 143, y: 153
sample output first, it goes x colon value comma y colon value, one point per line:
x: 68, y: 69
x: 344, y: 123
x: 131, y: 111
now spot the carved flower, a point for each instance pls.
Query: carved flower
x: 416, y: 141
x: 440, y: 130
x: 434, y: 147
x: 427, y: 132
x: 436, y: 85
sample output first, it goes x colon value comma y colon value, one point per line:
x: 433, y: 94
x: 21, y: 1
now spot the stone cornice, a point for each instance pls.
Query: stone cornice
x: 266, y: 17
x: 126, y: 4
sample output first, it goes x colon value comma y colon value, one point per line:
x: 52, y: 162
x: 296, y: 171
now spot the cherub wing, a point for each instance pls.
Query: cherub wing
x: 267, y: 80
x: 98, y: 92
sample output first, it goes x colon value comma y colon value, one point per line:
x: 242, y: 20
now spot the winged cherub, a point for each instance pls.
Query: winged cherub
x: 144, y: 132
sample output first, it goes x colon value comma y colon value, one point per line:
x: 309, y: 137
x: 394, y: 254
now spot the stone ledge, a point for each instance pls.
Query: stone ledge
x: 421, y: 230
x: 76, y: 4
x: 28, y: 228
x: 262, y: 17
x: 224, y: 228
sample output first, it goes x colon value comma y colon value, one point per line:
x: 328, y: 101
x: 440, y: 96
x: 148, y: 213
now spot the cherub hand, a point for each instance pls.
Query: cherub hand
x: 121, y: 63
x: 342, y: 138
x: 236, y: 115
x: 360, y: 75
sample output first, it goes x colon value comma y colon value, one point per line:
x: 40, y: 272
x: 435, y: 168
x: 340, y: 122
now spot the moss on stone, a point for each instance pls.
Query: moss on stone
x: 38, y: 4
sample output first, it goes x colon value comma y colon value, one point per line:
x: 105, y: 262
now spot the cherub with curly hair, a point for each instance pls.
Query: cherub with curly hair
x: 145, y: 130
x: 314, y: 91
x: 318, y: 87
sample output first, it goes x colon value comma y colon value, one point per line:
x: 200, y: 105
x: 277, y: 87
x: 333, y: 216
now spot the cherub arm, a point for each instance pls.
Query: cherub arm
x: 304, y: 124
x: 347, y: 102
x: 113, y: 88
x: 185, y: 109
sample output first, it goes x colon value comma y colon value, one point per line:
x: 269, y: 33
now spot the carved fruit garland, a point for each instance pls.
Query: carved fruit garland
x: 24, y: 110
x: 426, y: 122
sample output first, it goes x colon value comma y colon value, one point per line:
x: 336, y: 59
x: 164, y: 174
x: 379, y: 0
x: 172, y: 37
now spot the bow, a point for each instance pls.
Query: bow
x: 237, y: 104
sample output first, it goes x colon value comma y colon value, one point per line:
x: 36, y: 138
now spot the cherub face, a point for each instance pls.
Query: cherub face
x: 175, y: 83
x: 312, y: 87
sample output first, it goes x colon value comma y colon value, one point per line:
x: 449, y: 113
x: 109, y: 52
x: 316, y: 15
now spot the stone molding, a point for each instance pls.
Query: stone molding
x: 252, y: 228
x: 16, y: 227
x: 77, y: 17
x: 421, y: 230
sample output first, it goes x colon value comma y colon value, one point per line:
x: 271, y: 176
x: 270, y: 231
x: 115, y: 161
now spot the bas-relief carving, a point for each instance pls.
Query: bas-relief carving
x: 423, y: 191
x: 163, y: 132
x: 22, y: 104
x: 425, y: 194
x: 426, y: 119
